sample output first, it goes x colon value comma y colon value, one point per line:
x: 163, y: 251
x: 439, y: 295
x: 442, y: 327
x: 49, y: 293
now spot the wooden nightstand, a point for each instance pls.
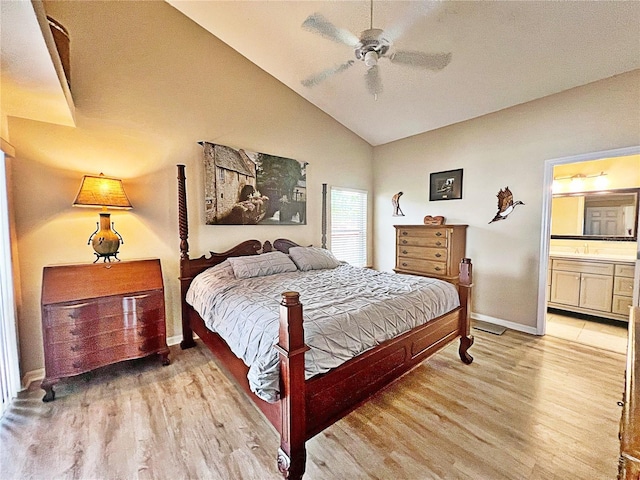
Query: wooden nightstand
x: 97, y: 314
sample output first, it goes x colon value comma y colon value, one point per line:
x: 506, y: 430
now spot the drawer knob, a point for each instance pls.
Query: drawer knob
x: 404, y: 241
x: 438, y: 234
x: 405, y: 252
x: 438, y: 243
x: 438, y: 269
x: 405, y: 233
x: 74, y: 332
x: 404, y: 264
x: 75, y: 348
x: 438, y: 255
x: 77, y: 364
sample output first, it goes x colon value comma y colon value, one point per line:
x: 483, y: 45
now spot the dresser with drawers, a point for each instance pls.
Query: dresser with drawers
x: 97, y: 314
x: 430, y: 250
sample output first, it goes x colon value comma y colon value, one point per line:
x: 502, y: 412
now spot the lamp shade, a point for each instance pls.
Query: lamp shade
x: 101, y: 191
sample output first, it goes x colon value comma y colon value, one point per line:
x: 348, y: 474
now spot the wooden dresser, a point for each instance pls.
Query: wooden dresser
x: 430, y: 251
x: 629, y: 466
x: 97, y: 314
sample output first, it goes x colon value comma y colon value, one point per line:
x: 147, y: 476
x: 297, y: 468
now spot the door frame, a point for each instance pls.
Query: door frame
x: 545, y: 238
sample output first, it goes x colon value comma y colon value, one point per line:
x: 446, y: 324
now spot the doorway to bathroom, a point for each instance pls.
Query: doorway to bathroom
x: 587, y: 264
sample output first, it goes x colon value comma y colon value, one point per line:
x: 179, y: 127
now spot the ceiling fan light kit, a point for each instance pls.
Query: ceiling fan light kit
x: 372, y: 45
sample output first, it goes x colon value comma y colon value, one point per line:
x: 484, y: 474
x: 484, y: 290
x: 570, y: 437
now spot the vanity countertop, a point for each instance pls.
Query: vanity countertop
x: 608, y: 257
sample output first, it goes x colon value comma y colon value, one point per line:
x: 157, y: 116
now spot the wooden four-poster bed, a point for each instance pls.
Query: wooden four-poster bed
x: 307, y: 406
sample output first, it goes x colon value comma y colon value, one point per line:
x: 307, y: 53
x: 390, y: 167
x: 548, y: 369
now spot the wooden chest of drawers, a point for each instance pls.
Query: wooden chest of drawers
x: 98, y: 314
x: 430, y: 251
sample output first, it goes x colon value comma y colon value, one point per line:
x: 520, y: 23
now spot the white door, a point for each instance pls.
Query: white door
x: 604, y: 221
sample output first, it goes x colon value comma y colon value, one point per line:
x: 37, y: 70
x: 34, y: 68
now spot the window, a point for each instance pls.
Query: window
x: 349, y: 225
x: 9, y: 370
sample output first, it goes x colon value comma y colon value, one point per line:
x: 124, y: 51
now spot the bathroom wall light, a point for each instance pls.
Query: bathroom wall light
x: 577, y: 181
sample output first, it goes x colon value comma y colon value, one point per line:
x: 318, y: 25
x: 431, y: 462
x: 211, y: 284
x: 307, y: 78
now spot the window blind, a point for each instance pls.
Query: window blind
x: 349, y: 225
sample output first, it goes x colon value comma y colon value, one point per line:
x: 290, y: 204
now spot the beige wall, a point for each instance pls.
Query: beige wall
x: 148, y: 84
x: 506, y: 148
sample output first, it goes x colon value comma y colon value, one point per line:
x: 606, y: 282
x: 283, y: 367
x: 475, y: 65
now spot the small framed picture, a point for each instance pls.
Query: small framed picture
x: 445, y: 185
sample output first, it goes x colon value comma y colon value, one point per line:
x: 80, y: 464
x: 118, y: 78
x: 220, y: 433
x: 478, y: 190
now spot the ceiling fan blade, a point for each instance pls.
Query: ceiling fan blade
x: 314, y: 80
x: 408, y: 18
x: 316, y: 23
x: 430, y: 61
x: 374, y: 82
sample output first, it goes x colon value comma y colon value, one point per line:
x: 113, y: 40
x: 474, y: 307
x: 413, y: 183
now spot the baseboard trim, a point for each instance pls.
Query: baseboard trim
x: 505, y: 323
x: 32, y: 376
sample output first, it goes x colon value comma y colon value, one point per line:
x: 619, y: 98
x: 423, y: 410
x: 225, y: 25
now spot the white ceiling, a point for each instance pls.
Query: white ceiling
x: 504, y: 53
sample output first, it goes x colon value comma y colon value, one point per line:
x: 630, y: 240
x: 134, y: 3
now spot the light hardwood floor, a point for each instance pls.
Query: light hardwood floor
x: 527, y: 408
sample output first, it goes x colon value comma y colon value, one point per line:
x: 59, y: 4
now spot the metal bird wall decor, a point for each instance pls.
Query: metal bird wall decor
x: 506, y: 205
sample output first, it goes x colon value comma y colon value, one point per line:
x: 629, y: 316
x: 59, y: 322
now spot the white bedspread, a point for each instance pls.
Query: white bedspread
x: 346, y: 311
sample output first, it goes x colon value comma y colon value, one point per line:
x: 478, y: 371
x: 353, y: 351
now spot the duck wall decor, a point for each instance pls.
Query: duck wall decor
x: 506, y: 205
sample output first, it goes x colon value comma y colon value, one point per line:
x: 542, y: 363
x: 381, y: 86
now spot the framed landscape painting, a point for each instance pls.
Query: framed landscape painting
x: 445, y: 185
x: 251, y: 188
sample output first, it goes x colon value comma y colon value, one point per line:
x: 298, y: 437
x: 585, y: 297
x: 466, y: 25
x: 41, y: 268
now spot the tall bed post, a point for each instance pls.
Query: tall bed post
x: 292, y: 454
x: 465, y: 283
x: 185, y: 276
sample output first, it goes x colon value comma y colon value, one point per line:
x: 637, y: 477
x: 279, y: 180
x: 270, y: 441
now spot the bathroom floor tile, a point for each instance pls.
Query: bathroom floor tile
x: 604, y: 335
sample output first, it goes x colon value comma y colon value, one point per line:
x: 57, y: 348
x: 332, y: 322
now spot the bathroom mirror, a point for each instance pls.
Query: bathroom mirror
x: 606, y: 215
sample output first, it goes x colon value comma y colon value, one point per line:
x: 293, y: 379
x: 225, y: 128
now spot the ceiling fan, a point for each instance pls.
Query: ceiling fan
x: 372, y: 45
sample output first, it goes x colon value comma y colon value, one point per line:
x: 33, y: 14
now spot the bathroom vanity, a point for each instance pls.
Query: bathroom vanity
x: 600, y: 286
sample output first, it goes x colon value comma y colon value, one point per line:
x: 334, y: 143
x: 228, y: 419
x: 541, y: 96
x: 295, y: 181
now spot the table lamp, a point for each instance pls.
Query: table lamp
x: 101, y: 191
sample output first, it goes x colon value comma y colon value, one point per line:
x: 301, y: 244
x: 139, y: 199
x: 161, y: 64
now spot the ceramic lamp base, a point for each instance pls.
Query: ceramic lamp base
x: 105, y: 240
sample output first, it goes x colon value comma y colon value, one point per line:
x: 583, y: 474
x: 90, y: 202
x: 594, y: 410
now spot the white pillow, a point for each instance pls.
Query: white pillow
x: 313, y: 258
x: 261, y: 265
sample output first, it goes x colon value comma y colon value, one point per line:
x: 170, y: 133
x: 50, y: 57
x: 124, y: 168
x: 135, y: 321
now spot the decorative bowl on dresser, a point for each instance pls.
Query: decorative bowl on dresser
x: 430, y: 250
x: 98, y: 314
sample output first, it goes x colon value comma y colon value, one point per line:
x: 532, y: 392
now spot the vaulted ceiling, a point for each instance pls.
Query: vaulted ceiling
x: 503, y: 53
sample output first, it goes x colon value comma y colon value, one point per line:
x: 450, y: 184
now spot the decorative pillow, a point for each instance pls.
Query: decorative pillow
x: 221, y: 271
x: 261, y: 265
x: 313, y: 258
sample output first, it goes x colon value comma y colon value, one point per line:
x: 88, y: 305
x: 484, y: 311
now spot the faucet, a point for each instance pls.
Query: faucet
x: 586, y: 248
